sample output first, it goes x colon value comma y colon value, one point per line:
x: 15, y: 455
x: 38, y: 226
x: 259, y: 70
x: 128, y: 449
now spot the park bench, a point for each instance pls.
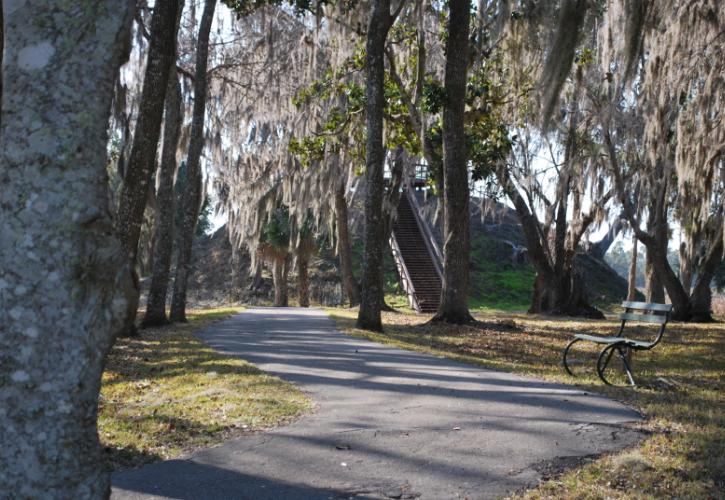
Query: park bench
x: 633, y: 311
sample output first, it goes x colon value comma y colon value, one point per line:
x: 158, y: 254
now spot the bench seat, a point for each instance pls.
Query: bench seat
x: 612, y: 340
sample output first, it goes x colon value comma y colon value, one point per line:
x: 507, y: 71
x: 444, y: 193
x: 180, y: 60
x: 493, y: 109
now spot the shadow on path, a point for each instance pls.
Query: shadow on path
x: 391, y: 423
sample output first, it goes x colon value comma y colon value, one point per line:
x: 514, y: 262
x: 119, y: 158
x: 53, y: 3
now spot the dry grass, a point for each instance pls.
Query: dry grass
x: 165, y: 394
x: 681, y: 393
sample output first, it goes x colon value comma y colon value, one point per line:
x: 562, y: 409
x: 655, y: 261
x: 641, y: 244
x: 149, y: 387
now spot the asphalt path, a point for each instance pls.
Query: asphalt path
x: 390, y: 423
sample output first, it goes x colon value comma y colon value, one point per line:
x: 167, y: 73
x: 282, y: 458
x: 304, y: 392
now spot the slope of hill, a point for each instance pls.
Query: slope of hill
x: 501, y: 276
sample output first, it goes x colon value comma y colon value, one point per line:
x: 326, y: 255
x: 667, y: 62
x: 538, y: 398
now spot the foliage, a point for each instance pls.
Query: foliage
x: 276, y: 231
x: 245, y: 7
x: 203, y: 224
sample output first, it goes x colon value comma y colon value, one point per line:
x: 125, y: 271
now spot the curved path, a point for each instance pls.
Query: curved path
x: 391, y: 424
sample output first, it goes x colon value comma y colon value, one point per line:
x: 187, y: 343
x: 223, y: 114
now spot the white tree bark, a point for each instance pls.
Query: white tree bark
x: 63, y: 274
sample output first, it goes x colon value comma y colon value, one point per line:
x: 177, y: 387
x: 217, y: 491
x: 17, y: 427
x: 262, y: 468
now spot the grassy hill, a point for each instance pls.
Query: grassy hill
x: 501, y: 276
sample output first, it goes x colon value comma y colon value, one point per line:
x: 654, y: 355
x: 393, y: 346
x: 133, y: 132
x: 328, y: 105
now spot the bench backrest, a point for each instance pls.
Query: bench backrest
x: 646, y: 312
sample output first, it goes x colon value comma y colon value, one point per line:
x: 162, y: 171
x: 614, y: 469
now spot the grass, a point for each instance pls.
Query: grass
x: 496, y: 283
x: 682, y: 395
x: 165, y: 394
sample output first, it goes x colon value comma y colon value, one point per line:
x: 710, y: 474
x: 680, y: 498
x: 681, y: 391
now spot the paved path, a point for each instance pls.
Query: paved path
x: 391, y: 424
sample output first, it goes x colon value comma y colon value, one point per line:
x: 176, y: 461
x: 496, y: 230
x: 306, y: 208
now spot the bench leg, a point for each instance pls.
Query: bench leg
x: 605, y: 357
x: 626, y: 366
x: 566, y: 353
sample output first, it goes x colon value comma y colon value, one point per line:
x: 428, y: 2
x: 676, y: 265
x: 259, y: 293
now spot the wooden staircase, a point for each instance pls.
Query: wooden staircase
x: 417, y: 256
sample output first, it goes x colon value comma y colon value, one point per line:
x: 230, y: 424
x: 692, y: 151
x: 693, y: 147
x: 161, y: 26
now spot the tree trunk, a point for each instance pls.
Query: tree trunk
x: 164, y: 237
x: 191, y: 197
x: 240, y: 273
x: 138, y: 171
x: 65, y: 278
x: 374, y: 238
x: 632, y: 278
x: 344, y: 251
x: 562, y: 294
x: 657, y: 226
x: 456, y: 248
x: 666, y: 277
x: 686, y: 266
x: 303, y: 279
x: 257, y: 279
x: 285, y: 280
x: 2, y: 47
x: 279, y: 278
x: 654, y: 290
x: 140, y: 168
x: 701, y: 298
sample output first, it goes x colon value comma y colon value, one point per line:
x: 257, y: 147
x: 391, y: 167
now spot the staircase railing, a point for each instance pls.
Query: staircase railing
x: 404, y: 274
x: 430, y: 241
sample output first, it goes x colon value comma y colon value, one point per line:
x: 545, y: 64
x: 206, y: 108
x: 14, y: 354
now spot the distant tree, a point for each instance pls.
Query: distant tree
x: 456, y: 233
x: 165, y: 207
x: 192, y: 195
x: 305, y: 248
x: 139, y: 170
x: 274, y: 249
x: 371, y: 301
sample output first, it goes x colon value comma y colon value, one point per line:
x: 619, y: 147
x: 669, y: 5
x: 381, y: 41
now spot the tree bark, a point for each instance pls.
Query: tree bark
x: 2, y: 48
x: 65, y: 277
x: 303, y: 278
x: 165, y: 207
x: 344, y: 251
x: 453, y: 306
x: 191, y: 197
x: 256, y: 279
x: 701, y: 298
x: 632, y: 278
x: 654, y: 291
x: 140, y: 168
x: 240, y: 273
x: 374, y: 239
x: 279, y: 278
x: 686, y: 266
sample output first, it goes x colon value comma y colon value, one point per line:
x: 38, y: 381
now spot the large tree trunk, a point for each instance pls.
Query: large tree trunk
x: 562, y: 294
x: 191, y: 197
x: 2, y: 47
x: 65, y: 278
x: 654, y: 290
x: 686, y: 266
x: 374, y: 235
x: 632, y: 278
x: 164, y: 237
x: 344, y: 251
x: 701, y: 298
x: 456, y: 248
x: 657, y: 226
x: 668, y: 279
